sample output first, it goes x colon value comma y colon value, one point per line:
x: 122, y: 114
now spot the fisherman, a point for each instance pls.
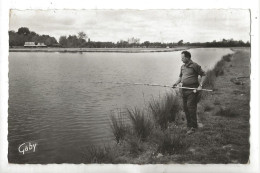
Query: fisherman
x: 189, y: 78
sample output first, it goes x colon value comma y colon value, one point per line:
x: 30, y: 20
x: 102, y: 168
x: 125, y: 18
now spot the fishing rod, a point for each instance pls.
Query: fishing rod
x: 193, y: 88
x: 168, y: 86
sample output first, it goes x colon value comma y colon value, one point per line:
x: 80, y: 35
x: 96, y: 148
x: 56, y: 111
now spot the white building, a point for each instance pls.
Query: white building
x: 40, y: 45
x: 33, y: 44
x: 29, y: 44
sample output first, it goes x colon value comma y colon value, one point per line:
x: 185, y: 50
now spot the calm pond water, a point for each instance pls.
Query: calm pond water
x: 57, y: 99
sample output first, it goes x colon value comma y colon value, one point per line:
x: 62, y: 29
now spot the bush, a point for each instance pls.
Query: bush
x: 118, y: 126
x: 134, y: 144
x: 101, y: 154
x: 226, y: 112
x: 165, y: 110
x: 227, y: 57
x: 141, y: 124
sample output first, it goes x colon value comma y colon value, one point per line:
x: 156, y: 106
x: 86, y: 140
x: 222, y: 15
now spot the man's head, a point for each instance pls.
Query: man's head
x: 185, y: 56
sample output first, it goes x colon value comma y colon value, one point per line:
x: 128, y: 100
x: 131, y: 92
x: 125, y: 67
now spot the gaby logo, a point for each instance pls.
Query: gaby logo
x: 27, y: 147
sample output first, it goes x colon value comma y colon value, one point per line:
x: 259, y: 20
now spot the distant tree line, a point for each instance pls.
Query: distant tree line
x: 25, y: 35
x: 222, y: 43
x: 76, y: 41
x: 81, y: 40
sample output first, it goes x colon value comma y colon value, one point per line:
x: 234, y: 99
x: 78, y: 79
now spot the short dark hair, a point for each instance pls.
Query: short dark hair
x: 186, y: 54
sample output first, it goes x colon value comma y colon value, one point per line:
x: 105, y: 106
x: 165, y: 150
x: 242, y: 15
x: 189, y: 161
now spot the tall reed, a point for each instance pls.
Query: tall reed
x: 119, y: 126
x: 140, y: 122
x: 165, y: 110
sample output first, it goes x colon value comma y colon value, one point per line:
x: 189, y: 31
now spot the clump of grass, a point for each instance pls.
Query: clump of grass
x: 165, y: 110
x: 226, y: 112
x: 100, y: 154
x: 141, y: 124
x: 216, y: 102
x: 118, y: 126
x: 209, y: 82
x: 180, y: 119
x: 227, y: 57
x: 171, y: 142
x: 207, y: 108
x: 212, y: 74
x: 219, y: 68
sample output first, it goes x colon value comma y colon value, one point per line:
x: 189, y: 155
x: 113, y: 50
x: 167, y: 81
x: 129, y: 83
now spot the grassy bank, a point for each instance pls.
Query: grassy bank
x: 158, y: 135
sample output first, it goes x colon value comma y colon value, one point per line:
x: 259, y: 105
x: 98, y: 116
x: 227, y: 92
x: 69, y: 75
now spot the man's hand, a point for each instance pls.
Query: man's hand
x: 174, y: 85
x: 199, y: 88
x: 177, y: 85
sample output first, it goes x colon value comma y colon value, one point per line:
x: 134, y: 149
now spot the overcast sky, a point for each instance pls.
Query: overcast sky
x: 148, y: 25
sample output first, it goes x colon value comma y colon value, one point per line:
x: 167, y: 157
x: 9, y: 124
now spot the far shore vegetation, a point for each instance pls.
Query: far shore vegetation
x: 81, y: 40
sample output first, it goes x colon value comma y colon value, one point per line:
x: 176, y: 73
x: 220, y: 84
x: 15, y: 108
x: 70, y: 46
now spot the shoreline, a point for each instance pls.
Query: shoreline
x: 113, y: 50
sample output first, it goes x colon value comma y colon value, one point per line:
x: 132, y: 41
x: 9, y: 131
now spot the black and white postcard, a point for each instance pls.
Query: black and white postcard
x: 129, y: 87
